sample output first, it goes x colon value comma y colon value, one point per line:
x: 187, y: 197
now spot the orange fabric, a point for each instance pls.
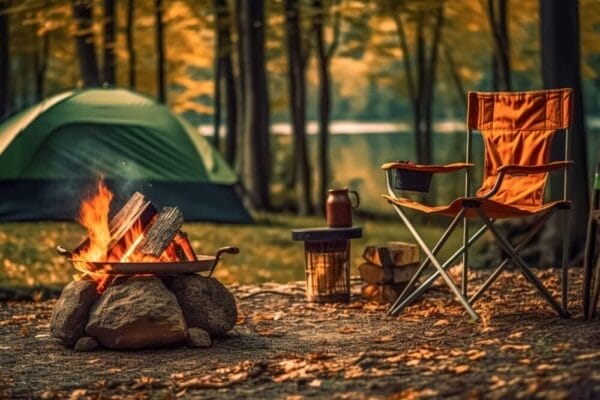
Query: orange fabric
x: 517, y: 130
x: 427, y: 168
x: 491, y: 208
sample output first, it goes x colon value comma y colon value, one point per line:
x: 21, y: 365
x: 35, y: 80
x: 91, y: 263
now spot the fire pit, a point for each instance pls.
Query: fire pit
x: 138, y: 283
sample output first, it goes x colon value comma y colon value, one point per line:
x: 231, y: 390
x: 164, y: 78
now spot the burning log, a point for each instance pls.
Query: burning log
x: 162, y: 231
x: 139, y: 232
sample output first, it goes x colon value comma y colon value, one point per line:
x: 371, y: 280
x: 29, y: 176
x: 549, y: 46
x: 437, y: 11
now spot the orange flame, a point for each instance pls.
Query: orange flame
x: 93, y: 215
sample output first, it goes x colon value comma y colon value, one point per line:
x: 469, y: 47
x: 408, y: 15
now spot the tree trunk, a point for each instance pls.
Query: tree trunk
x: 4, y: 58
x: 240, y: 86
x: 109, y: 42
x: 324, y: 101
x: 224, y: 76
x: 160, y: 53
x: 561, y: 68
x: 40, y: 62
x: 297, y: 87
x: 217, y: 95
x: 257, y: 159
x: 130, y: 43
x: 498, y: 20
x: 84, y: 39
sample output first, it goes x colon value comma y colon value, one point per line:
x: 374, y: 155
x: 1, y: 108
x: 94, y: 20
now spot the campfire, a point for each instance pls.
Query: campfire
x: 137, y: 283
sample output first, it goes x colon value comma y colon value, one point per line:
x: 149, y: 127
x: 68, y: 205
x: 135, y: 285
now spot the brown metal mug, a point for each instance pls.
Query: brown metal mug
x: 338, y: 208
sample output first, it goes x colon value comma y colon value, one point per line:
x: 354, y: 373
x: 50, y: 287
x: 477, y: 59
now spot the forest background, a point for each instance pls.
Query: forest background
x: 304, y: 95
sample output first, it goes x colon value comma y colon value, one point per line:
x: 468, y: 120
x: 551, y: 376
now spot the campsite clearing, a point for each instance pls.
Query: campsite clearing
x: 284, y: 347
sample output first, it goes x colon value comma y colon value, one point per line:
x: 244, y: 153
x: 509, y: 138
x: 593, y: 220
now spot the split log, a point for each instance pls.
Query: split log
x: 392, y: 254
x: 372, y: 273
x: 161, y: 231
x: 382, y: 294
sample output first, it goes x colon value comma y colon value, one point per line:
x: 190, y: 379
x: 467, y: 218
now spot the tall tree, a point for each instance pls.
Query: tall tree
x: 424, y: 58
x: 497, y: 12
x: 109, y: 42
x: 297, y: 86
x: 85, y: 43
x: 4, y: 57
x: 224, y: 76
x: 160, y: 52
x: 129, y: 40
x: 324, y: 54
x: 257, y: 159
x: 241, y: 88
x: 41, y: 54
x: 561, y: 68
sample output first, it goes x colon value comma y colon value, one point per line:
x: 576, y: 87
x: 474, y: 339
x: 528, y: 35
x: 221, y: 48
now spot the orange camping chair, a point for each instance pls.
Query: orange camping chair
x: 517, y: 130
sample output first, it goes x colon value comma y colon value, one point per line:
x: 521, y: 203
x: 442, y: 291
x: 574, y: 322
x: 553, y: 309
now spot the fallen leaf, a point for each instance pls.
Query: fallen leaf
x: 346, y: 330
x: 588, y: 356
x: 441, y: 322
x: 460, y: 369
x: 384, y: 339
x: 315, y: 383
x: 475, y: 355
x: 517, y: 347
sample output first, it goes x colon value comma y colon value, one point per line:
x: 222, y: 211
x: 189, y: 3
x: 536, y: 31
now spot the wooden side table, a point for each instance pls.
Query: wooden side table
x: 327, y: 262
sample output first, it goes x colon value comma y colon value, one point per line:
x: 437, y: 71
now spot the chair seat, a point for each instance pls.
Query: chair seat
x: 491, y: 208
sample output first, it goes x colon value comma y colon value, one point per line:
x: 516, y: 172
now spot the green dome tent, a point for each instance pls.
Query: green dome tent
x: 52, y: 153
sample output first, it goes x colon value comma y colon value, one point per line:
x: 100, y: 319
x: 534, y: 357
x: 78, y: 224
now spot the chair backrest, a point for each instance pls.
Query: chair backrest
x: 517, y: 128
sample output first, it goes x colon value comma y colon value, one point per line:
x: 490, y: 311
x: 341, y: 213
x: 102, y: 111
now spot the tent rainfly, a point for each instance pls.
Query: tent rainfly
x: 52, y: 154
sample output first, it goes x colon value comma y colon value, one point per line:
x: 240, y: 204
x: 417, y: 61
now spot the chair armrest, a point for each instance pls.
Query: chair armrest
x: 426, y: 168
x: 533, y: 169
x: 523, y: 170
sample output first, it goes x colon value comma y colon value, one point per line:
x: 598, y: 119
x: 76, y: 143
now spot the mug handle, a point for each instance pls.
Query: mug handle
x: 357, y: 197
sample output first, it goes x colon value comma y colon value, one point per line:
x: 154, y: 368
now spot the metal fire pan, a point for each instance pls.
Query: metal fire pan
x: 202, y: 264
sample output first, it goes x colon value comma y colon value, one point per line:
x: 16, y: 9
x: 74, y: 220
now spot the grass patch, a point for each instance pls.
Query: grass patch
x: 28, y: 255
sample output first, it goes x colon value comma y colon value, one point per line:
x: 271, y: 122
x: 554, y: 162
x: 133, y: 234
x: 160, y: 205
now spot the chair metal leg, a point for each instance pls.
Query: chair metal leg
x: 521, y: 264
x: 596, y: 290
x: 437, y: 265
x: 426, y: 262
x: 433, y: 277
x: 588, y: 257
x: 465, y: 270
x: 492, y: 278
x: 565, y: 258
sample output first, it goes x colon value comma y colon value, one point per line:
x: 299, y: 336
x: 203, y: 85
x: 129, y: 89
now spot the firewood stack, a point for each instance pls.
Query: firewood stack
x: 387, y: 270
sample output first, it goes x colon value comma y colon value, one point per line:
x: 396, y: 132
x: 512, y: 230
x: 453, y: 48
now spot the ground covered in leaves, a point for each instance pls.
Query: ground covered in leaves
x: 284, y: 347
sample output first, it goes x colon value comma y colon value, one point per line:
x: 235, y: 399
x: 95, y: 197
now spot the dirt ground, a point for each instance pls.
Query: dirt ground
x: 284, y: 347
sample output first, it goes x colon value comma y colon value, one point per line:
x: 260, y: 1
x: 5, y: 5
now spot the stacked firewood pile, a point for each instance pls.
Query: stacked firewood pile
x: 387, y: 270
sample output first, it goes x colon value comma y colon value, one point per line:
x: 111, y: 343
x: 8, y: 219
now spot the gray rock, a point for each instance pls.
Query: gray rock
x: 136, y: 313
x: 205, y: 303
x: 198, y: 337
x: 86, y: 343
x: 71, y: 312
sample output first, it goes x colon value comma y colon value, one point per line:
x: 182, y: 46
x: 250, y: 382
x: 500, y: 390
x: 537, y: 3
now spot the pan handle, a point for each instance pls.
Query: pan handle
x: 63, y: 252
x: 228, y: 250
